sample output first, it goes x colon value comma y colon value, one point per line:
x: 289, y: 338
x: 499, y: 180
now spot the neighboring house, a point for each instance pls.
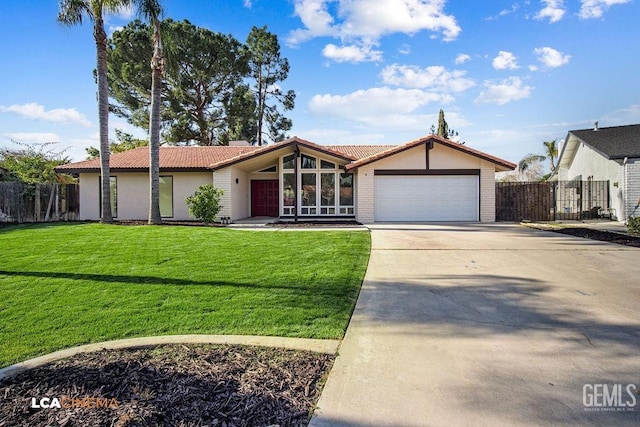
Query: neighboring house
x: 428, y: 179
x: 605, y: 154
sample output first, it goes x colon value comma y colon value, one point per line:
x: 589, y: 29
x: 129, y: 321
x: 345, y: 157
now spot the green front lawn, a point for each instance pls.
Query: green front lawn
x: 68, y: 284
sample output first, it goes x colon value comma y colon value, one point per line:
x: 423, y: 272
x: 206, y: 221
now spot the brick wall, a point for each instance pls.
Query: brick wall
x: 365, y: 195
x: 487, y: 192
x: 222, y: 180
x: 632, y: 185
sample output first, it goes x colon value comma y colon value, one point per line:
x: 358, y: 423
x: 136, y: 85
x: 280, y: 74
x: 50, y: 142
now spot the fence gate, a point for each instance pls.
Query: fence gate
x: 551, y: 201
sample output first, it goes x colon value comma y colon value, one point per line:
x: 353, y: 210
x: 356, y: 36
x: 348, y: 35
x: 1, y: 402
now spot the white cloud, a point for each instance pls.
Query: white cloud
x: 505, y: 91
x: 113, y: 28
x: 30, y: 137
x: 505, y: 61
x: 596, y: 8
x: 462, y: 58
x: 352, y: 53
x: 504, y: 12
x: 328, y: 136
x: 371, y: 19
x: 316, y: 18
x: 554, y: 10
x: 550, y: 57
x: 405, y: 49
x: 247, y: 4
x: 623, y: 116
x: 381, y: 107
x: 435, y: 77
x: 126, y: 12
x: 36, y: 111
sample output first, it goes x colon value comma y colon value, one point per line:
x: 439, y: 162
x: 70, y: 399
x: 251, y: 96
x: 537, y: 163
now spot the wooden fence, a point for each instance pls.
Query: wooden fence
x: 550, y: 201
x: 21, y: 202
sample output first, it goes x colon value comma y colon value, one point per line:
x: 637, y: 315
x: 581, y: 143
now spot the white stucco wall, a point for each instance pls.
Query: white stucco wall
x: 414, y: 158
x: 89, y: 193
x: 133, y: 194
x: 240, y: 197
x: 587, y: 162
x: 441, y: 157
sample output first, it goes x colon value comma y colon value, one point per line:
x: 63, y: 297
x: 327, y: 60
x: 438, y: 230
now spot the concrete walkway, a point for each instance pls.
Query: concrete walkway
x: 320, y: 346
x: 489, y: 325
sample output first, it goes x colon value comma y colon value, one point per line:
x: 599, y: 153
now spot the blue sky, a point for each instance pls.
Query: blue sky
x: 508, y: 74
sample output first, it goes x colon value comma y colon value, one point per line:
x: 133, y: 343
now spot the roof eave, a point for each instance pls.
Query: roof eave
x: 432, y: 138
x: 276, y: 147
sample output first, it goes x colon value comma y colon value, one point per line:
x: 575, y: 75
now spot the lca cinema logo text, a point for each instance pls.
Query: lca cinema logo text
x: 65, y: 402
x: 610, y: 397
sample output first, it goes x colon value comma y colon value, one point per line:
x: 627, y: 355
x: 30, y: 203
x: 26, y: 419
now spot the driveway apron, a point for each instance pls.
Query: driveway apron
x: 486, y: 325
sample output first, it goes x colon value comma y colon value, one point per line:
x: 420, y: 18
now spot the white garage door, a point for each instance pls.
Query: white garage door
x: 426, y: 198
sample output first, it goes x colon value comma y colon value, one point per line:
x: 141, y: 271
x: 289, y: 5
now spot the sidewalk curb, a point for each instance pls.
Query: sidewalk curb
x: 315, y: 345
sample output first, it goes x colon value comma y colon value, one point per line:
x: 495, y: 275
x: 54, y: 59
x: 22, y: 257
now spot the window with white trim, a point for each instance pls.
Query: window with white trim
x: 323, y: 190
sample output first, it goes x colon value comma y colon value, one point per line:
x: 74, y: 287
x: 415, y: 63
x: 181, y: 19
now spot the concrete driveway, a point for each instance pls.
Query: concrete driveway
x: 489, y: 325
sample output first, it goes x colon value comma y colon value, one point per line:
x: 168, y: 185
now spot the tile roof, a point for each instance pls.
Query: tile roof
x: 279, y: 145
x: 615, y: 142
x: 361, y: 151
x: 217, y: 157
x: 187, y: 158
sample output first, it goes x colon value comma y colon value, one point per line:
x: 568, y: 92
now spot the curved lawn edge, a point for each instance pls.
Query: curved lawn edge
x: 74, y: 284
x: 308, y: 344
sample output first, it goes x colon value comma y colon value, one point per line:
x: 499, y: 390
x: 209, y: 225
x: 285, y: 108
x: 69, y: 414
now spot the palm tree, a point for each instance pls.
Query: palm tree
x: 551, y: 149
x: 529, y: 167
x: 152, y: 10
x: 72, y: 12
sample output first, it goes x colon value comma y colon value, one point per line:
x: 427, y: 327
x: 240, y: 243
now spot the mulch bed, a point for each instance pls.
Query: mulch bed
x: 605, y: 236
x: 170, y: 385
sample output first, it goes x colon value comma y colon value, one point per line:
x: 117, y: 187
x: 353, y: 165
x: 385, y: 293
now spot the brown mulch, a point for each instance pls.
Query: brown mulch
x: 605, y: 236
x: 170, y: 385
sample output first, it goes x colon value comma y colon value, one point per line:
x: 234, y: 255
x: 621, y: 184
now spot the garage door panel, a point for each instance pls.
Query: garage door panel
x: 426, y: 198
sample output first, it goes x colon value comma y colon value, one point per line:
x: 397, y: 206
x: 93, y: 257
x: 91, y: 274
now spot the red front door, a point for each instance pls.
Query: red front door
x: 264, y: 198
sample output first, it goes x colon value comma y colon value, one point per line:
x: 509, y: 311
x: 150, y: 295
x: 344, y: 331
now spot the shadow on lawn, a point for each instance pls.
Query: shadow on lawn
x: 143, y: 280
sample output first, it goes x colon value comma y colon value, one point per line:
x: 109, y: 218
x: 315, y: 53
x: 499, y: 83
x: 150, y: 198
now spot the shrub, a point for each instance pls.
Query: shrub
x: 204, y: 205
x: 633, y: 225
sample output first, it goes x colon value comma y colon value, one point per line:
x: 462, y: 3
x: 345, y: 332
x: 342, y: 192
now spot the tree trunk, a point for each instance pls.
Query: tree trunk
x: 103, y: 117
x: 157, y: 65
x: 260, y: 108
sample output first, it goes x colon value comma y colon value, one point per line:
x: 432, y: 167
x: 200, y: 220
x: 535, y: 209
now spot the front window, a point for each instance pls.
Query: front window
x: 346, y: 193
x: 309, y: 193
x: 307, y: 162
x: 166, y: 196
x: 327, y: 194
x: 322, y: 189
x: 288, y: 193
x: 113, y: 186
x: 288, y: 162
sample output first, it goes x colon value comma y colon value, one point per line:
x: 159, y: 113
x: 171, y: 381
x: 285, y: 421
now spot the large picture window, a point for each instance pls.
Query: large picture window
x: 166, y: 196
x: 322, y: 188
